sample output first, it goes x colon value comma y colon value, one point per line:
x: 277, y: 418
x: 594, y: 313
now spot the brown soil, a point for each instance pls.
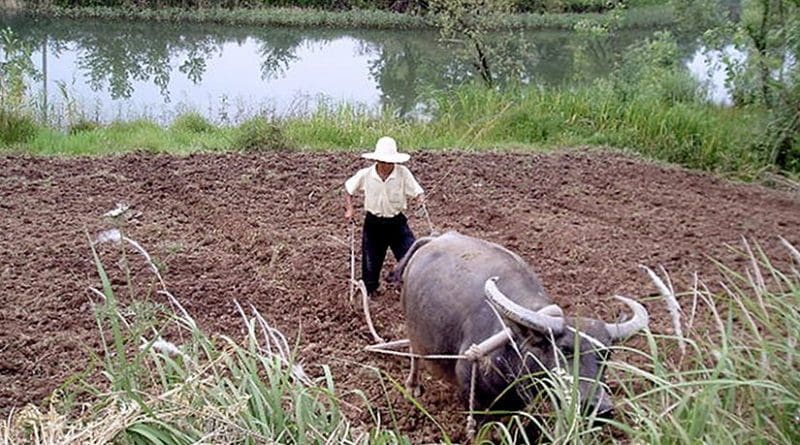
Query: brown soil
x: 268, y: 230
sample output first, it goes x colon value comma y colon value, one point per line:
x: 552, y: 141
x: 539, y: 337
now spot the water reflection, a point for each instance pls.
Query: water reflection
x: 129, y: 69
x: 708, y: 66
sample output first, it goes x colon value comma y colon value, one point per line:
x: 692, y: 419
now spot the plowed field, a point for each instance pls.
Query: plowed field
x: 268, y: 230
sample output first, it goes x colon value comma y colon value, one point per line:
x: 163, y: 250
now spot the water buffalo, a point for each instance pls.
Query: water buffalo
x: 472, y: 298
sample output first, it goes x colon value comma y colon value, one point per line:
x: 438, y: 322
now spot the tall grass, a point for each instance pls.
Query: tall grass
x: 195, y: 389
x: 738, y: 380
x: 690, y: 133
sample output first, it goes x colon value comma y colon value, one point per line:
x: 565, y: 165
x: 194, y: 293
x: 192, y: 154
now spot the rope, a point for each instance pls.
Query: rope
x: 385, y: 348
x: 365, y: 306
x: 427, y: 218
x: 471, y: 424
x: 352, y: 260
x: 379, y: 348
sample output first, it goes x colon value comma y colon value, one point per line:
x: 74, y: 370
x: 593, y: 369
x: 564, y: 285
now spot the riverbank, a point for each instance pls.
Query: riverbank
x: 692, y: 133
x: 651, y: 16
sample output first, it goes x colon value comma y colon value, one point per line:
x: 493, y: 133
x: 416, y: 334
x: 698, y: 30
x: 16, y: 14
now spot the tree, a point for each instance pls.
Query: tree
x: 472, y: 25
x: 768, y: 31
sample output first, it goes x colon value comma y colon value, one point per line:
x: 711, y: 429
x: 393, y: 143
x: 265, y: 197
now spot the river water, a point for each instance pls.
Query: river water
x: 106, y: 70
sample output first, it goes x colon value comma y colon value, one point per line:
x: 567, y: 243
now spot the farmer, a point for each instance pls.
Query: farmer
x: 386, y: 186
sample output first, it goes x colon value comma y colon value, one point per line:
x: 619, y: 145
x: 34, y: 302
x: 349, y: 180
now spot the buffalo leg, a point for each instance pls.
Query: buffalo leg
x: 412, y: 382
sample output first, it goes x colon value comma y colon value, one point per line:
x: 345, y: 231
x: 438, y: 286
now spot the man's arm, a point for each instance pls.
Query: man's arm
x: 353, y: 184
x: 348, y: 206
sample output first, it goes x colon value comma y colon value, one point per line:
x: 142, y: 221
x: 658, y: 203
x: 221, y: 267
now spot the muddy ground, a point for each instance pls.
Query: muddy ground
x: 268, y: 230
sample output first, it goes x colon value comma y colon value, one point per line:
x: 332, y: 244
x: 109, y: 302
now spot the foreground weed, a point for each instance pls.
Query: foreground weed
x: 195, y: 389
x: 735, y: 382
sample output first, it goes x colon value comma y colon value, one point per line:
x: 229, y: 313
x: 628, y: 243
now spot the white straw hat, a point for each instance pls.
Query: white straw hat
x: 386, y: 151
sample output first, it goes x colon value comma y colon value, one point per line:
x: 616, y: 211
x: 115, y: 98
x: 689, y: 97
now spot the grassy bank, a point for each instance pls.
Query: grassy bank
x: 691, y: 133
x: 639, y: 17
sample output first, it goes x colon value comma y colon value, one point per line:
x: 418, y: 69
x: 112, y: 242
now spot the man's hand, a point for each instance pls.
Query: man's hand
x: 348, y: 207
x: 474, y: 352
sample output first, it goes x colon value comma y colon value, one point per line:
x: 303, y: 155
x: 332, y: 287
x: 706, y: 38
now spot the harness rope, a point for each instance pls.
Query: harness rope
x: 387, y: 348
x: 382, y: 348
x: 352, y: 260
x: 471, y: 424
x: 427, y: 218
x: 365, y: 306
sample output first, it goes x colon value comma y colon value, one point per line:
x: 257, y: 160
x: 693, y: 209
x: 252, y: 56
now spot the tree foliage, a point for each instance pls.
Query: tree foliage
x: 472, y: 26
x: 769, y: 33
x: 16, y: 68
x: 760, y: 41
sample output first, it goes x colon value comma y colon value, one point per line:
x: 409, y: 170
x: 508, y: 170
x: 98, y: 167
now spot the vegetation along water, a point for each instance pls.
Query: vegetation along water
x: 464, y: 79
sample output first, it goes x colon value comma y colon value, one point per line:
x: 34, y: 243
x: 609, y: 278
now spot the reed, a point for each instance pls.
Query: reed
x: 192, y: 388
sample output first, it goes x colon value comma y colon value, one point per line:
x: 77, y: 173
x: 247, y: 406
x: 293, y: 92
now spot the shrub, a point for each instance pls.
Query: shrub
x: 83, y: 126
x: 192, y: 123
x: 258, y: 134
x: 16, y: 126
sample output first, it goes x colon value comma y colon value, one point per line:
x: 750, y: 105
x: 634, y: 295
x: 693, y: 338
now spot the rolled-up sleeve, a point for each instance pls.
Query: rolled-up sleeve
x: 355, y: 182
x: 413, y: 189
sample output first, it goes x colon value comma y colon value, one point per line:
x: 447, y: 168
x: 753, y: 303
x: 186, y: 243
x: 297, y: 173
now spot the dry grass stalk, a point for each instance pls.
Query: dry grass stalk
x: 705, y: 295
x: 693, y: 312
x: 672, y: 304
x: 32, y: 426
x: 756, y: 279
x: 792, y: 250
x: 116, y: 237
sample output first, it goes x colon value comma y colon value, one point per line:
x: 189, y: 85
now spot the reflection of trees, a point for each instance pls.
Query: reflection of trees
x: 114, y: 54
x: 409, y: 65
x: 277, y: 51
x: 123, y: 59
x: 405, y: 68
x: 405, y: 65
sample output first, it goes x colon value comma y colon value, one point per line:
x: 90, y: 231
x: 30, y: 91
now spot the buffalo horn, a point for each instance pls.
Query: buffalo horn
x: 619, y: 331
x: 542, y: 320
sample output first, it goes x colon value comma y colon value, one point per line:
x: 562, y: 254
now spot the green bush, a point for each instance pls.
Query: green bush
x: 652, y: 68
x: 83, y: 126
x: 540, y: 6
x: 16, y: 126
x: 258, y: 134
x: 192, y: 123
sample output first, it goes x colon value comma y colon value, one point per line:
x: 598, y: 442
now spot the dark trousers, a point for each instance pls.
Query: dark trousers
x: 378, y: 235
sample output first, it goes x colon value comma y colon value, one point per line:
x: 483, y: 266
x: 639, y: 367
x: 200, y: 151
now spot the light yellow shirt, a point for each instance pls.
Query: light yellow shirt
x: 384, y: 198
